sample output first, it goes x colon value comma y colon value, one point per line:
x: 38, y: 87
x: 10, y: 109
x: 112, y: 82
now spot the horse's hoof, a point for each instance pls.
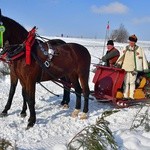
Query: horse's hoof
x: 62, y: 103
x: 65, y: 106
x: 75, y: 113
x: 23, y: 115
x: 30, y: 125
x: 3, y: 114
x: 83, y: 116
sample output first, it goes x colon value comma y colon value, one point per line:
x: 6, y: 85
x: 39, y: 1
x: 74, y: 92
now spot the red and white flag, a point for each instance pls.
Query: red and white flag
x: 108, y: 26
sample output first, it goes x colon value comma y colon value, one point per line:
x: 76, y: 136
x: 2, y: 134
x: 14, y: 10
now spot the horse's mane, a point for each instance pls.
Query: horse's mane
x: 16, y: 30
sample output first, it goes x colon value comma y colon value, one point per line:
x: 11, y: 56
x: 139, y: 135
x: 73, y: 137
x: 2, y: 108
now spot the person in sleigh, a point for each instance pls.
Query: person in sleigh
x: 132, y: 60
x: 111, y: 55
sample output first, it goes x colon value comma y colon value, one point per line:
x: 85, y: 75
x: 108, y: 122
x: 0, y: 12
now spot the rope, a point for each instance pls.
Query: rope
x: 48, y: 89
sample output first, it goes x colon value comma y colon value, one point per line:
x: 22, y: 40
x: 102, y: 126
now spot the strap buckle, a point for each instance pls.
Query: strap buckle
x: 47, y: 64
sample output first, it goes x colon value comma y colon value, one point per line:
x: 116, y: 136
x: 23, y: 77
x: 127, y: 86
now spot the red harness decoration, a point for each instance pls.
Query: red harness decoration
x: 28, y: 44
x: 3, y: 57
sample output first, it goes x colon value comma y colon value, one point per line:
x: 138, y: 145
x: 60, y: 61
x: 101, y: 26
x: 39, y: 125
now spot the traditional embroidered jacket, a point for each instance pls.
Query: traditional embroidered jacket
x: 133, y: 59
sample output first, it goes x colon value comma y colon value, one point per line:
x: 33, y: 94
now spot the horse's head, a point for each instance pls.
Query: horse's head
x: 12, y: 31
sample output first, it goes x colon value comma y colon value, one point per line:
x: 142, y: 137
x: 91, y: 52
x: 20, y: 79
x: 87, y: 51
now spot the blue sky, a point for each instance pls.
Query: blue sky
x: 86, y: 18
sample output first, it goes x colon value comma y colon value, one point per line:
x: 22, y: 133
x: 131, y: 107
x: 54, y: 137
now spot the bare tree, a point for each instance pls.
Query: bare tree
x: 120, y: 35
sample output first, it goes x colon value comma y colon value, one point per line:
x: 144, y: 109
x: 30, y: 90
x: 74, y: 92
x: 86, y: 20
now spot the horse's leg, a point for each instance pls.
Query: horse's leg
x: 66, y: 97
x: 86, y: 92
x: 13, y: 84
x: 78, y: 90
x: 24, y: 108
x: 29, y: 94
x: 66, y: 94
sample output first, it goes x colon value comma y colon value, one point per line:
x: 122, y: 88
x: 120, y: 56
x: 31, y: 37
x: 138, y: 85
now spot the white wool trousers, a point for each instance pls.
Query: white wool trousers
x: 129, y: 84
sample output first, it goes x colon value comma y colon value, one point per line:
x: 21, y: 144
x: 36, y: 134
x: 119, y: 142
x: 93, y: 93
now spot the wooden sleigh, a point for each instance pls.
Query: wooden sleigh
x: 109, y: 86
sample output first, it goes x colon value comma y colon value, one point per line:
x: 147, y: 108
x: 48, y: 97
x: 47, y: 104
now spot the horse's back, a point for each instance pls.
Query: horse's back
x: 55, y: 42
x: 76, y: 57
x: 80, y: 52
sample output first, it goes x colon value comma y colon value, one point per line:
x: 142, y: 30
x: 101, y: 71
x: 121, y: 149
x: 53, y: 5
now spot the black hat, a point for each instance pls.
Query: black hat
x: 110, y: 42
x: 133, y: 38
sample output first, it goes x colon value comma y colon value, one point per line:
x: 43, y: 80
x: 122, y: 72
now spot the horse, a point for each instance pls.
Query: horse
x: 73, y: 60
x: 66, y: 95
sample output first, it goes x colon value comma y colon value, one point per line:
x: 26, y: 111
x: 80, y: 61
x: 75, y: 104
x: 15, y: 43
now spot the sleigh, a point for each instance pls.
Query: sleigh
x: 108, y: 86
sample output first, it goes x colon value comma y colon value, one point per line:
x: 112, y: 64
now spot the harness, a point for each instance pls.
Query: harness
x: 49, y: 53
x: 16, y: 51
x: 13, y: 52
x: 28, y: 44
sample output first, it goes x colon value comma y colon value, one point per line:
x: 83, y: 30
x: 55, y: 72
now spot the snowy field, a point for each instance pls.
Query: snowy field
x: 54, y: 127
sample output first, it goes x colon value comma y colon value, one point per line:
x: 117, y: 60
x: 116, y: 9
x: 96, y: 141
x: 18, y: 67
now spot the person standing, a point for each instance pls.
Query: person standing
x: 132, y: 60
x: 111, y: 55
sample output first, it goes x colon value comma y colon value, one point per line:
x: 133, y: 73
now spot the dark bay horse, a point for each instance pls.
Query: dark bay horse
x: 73, y: 60
x: 66, y: 95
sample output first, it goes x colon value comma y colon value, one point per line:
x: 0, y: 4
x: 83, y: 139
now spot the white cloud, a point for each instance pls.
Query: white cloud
x: 112, y: 8
x: 142, y: 20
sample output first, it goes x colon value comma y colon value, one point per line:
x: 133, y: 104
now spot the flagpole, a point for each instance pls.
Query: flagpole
x: 106, y: 37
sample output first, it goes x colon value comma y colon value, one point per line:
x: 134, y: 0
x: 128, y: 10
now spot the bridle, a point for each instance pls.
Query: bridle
x: 11, y: 52
x: 6, y: 54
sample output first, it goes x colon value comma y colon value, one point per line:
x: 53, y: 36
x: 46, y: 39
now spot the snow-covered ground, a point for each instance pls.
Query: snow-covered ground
x: 54, y: 127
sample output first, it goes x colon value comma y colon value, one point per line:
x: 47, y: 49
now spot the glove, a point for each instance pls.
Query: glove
x: 117, y: 65
x: 134, y: 73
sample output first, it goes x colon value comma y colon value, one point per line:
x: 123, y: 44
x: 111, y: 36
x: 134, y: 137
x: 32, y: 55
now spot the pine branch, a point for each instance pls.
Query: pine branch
x: 5, y: 144
x: 95, y: 137
x: 142, y: 119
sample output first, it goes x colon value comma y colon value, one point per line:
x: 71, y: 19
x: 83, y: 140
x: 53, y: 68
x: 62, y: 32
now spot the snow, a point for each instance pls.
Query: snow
x: 55, y: 127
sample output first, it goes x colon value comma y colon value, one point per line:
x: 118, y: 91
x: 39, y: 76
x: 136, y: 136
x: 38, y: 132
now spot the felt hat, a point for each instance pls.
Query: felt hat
x: 110, y: 42
x: 133, y: 38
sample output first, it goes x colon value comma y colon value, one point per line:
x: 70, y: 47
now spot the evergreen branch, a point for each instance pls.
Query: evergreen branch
x: 95, y: 137
x: 142, y: 119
